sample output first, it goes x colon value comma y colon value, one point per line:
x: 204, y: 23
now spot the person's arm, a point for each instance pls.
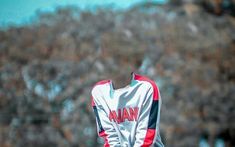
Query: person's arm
x: 105, y: 129
x: 147, y: 131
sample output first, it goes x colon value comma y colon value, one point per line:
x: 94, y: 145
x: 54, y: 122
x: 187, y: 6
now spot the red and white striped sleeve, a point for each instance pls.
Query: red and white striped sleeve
x: 147, y: 132
x: 105, y: 129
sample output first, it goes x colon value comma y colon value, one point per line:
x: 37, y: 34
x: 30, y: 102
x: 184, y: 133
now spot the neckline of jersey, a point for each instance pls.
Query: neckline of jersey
x: 125, y: 87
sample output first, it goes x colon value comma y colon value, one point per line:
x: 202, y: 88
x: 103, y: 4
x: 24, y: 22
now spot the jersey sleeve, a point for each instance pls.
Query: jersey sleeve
x: 105, y: 129
x: 147, y: 132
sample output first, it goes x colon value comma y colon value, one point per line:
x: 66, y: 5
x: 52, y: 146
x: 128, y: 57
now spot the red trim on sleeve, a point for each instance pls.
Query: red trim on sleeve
x: 155, y: 88
x: 149, y: 138
x: 92, y: 101
x: 102, y: 82
x: 104, y: 135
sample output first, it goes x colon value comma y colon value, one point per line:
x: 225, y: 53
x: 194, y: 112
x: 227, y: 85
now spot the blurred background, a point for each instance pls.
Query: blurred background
x: 52, y: 53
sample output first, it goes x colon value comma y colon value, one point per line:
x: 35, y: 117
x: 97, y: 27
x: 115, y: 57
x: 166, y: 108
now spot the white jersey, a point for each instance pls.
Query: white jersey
x: 129, y: 116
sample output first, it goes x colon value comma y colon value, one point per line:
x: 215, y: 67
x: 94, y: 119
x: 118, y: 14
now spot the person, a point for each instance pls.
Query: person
x: 127, y: 116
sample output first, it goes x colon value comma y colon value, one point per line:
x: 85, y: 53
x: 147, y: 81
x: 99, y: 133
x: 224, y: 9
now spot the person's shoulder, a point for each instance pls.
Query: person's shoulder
x: 145, y: 79
x: 100, y: 83
x: 97, y: 87
x: 150, y: 82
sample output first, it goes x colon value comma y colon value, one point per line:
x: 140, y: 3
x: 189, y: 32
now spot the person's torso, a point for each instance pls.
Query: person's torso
x: 123, y: 107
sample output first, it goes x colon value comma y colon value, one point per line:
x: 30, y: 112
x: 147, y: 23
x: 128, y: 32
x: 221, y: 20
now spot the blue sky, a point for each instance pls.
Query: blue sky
x: 20, y: 11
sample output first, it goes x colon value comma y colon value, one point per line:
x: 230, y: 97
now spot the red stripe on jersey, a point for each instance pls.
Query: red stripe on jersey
x: 149, y: 138
x: 102, y: 82
x: 104, y: 135
x: 155, y: 88
x: 92, y: 101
